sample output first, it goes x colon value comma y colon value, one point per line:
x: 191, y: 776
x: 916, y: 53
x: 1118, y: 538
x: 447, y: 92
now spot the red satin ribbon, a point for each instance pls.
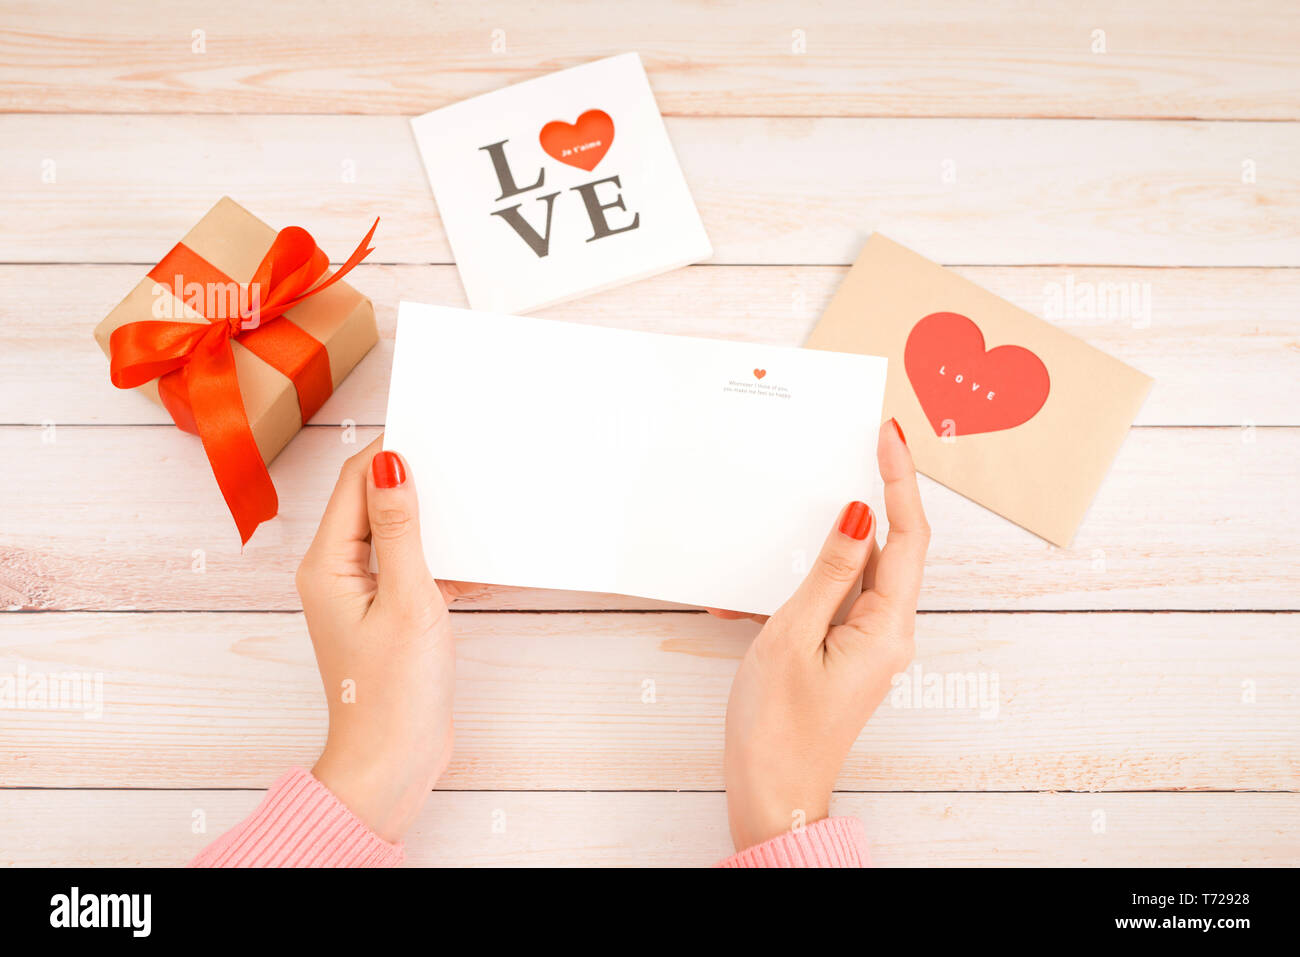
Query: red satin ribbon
x: 195, y: 364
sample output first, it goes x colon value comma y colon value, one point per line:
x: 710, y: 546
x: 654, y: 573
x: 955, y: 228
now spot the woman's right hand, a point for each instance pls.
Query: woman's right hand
x: 805, y: 687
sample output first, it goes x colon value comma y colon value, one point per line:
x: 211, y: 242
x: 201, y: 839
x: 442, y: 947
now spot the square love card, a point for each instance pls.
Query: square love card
x: 559, y: 186
x: 997, y: 404
x: 550, y: 454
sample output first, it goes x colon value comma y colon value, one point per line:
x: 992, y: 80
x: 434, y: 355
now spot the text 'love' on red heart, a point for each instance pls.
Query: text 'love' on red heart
x: 963, y: 389
x: 582, y: 144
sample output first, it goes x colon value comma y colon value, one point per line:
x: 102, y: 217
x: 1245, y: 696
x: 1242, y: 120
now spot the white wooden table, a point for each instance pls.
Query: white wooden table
x: 1148, y: 710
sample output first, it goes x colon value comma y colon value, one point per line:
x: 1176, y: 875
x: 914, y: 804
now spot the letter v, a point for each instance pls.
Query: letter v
x: 541, y: 245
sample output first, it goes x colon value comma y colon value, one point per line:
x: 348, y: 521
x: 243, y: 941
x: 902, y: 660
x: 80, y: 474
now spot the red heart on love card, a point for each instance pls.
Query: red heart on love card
x: 582, y: 144
x: 964, y: 389
x: 759, y: 373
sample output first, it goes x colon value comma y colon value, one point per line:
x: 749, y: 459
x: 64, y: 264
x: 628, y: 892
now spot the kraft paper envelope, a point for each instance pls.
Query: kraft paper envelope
x: 556, y: 455
x: 997, y: 404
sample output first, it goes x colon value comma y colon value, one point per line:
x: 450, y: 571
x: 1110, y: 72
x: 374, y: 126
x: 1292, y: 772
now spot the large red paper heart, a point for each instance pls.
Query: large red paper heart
x: 582, y: 144
x: 964, y: 389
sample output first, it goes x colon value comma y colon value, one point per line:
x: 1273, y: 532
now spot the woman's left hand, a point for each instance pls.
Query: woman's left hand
x: 383, y: 645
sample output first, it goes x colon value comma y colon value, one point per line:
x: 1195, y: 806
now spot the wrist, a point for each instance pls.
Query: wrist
x: 757, y: 819
x: 386, y: 797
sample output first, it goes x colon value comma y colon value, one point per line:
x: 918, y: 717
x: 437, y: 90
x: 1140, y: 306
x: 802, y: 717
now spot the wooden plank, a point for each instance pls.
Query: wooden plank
x: 1160, y: 59
x: 1220, y: 343
x: 125, y: 518
x: 770, y: 190
x: 92, y: 828
x: 1069, y: 702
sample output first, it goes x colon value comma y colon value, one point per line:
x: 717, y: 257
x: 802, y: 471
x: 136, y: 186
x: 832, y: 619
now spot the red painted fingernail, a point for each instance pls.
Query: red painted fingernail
x: 899, y: 429
x: 857, y: 520
x: 387, y: 467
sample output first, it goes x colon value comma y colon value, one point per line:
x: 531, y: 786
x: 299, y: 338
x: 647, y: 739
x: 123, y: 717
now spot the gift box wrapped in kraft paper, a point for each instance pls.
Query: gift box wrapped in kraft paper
x: 241, y: 333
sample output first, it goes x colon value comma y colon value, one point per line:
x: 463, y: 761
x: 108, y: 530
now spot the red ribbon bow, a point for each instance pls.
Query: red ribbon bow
x: 195, y: 364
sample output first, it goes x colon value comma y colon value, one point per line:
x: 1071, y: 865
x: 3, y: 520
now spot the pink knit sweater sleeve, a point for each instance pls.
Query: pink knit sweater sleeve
x: 300, y: 823
x: 831, y: 842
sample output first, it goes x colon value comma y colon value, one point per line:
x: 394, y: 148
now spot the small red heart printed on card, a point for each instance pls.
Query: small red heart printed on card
x: 964, y: 389
x: 582, y: 144
x: 759, y: 373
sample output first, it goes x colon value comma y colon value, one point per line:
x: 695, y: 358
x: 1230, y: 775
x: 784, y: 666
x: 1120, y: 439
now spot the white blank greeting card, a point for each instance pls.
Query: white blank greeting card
x: 556, y: 455
x: 559, y: 186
